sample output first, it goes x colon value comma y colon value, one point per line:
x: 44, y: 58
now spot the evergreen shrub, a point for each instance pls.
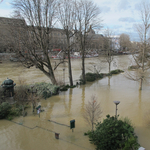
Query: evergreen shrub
x: 113, y: 134
x: 90, y: 77
x: 5, y: 109
x: 117, y: 71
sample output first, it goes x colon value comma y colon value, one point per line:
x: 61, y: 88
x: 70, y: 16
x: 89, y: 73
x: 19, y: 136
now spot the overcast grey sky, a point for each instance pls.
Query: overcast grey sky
x: 117, y: 15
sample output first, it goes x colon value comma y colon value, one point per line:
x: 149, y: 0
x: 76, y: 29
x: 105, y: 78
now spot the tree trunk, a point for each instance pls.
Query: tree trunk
x: 52, y: 77
x: 23, y: 113
x: 69, y: 69
x: 109, y: 80
x: 69, y: 59
x: 141, y: 82
x: 109, y: 66
x: 83, y: 67
x: 33, y: 106
x: 53, y: 80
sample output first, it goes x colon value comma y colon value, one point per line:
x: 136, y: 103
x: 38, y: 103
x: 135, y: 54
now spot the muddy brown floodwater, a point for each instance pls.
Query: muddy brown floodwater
x: 32, y: 132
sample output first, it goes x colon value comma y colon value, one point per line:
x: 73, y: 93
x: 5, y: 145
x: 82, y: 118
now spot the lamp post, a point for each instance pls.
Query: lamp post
x: 116, y: 103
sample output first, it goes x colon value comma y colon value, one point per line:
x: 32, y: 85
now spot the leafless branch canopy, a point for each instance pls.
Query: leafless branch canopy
x: 33, y: 40
x: 92, y: 111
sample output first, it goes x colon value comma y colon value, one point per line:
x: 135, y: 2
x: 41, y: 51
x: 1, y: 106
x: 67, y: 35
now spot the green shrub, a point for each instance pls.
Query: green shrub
x: 67, y: 86
x: 1, y: 94
x: 133, y: 67
x: 117, y: 71
x: 73, y: 86
x: 114, y: 134
x: 8, y: 111
x: 88, y: 133
x: 82, y: 81
x: 93, y: 76
x: 15, y: 111
x: 63, y: 88
x: 100, y: 76
x: 46, y: 89
x: 5, y: 109
x: 90, y: 78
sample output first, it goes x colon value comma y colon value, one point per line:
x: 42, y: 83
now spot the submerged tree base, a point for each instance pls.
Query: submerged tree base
x: 65, y: 88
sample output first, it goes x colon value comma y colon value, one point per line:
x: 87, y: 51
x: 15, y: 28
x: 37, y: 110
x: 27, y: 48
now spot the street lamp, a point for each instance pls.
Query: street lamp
x: 116, y: 103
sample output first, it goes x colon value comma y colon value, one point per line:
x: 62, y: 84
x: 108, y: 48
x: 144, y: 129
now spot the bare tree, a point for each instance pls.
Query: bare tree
x: 33, y: 40
x: 87, y: 13
x: 142, y: 58
x: 33, y: 97
x: 108, y: 47
x: 92, y: 112
x: 124, y: 42
x: 21, y: 95
x: 66, y: 17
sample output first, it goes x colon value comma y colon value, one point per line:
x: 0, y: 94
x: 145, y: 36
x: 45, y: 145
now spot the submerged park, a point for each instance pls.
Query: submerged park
x: 37, y: 132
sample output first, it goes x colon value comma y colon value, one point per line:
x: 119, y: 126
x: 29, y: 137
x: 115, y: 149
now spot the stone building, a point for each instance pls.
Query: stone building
x: 57, y: 36
x: 7, y: 25
x: 94, y: 41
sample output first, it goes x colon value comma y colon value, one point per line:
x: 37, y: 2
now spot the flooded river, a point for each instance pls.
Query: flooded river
x: 32, y: 132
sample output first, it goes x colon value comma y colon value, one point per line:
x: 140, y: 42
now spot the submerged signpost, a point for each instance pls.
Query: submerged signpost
x: 38, y: 110
x: 72, y: 124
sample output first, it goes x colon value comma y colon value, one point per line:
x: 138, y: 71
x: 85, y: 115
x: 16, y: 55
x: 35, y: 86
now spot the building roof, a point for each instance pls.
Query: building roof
x: 11, y: 21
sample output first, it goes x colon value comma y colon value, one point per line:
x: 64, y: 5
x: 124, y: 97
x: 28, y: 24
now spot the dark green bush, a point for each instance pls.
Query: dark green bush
x: 5, y: 109
x: 73, y: 86
x: 15, y: 111
x: 63, y: 88
x: 9, y: 111
x: 117, y: 71
x: 93, y: 76
x: 114, y: 134
x: 90, y: 78
x: 67, y: 86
